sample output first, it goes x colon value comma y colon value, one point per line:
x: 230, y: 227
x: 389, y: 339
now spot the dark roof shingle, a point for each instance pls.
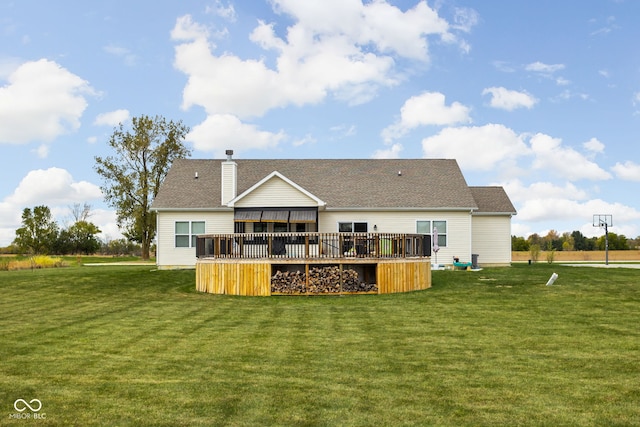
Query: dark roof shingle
x: 341, y: 183
x: 492, y: 200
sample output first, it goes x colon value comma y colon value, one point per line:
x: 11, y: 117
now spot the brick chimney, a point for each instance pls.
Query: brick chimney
x: 229, y: 179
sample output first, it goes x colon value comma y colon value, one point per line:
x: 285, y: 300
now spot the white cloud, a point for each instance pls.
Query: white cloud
x: 226, y: 11
x: 564, y: 162
x: 106, y: 221
x: 343, y: 50
x: 305, y: 140
x: 129, y: 58
x: 558, y: 207
x: 41, y: 102
x: 540, y: 67
x: 53, y: 187
x: 509, y: 100
x: 8, y: 65
x: 388, y: 28
x: 564, y: 209
x: 186, y: 30
x: 112, y: 118
x: 594, y: 145
x: 549, y: 209
x: 343, y: 131
x: 504, y: 66
x: 426, y: 109
x: 607, y: 27
x: 221, y: 131
x: 308, y: 71
x: 10, y: 219
x: 479, y: 148
x: 42, y: 151
x: 629, y: 171
x: 392, y: 152
x: 465, y: 19
x: 548, y: 71
x: 566, y: 95
x: 518, y: 192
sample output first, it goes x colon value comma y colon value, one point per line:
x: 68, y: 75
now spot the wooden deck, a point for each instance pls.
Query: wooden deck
x: 252, y: 277
x: 245, y: 264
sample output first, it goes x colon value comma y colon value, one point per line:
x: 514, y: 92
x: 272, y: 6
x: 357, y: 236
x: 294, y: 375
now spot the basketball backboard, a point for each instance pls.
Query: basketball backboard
x: 600, y: 220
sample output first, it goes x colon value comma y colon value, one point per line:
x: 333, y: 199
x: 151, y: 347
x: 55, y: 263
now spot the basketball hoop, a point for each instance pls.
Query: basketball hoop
x: 604, y: 221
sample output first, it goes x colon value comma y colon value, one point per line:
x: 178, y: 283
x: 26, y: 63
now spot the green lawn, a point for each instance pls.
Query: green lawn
x: 133, y: 346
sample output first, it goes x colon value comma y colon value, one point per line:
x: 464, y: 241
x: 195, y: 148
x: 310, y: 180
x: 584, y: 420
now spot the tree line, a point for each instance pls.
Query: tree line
x: 40, y: 234
x: 574, y: 241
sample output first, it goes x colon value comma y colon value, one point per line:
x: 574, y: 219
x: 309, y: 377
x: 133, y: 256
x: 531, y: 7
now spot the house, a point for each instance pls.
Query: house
x: 205, y: 196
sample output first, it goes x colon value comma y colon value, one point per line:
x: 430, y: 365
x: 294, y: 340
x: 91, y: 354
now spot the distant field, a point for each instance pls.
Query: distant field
x: 129, y: 345
x: 596, y: 256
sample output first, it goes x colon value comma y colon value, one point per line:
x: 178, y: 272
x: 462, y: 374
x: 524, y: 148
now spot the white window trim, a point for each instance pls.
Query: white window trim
x: 352, y: 226
x: 190, y: 234
x: 431, y: 221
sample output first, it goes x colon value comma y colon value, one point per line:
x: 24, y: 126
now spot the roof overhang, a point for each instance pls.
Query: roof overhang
x: 399, y: 209
x: 494, y: 213
x: 223, y: 209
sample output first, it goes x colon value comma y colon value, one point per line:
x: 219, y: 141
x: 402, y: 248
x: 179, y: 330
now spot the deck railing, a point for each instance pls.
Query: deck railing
x: 313, y: 245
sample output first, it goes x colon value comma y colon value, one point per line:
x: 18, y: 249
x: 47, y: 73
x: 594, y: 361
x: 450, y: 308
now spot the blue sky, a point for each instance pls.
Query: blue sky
x: 540, y: 97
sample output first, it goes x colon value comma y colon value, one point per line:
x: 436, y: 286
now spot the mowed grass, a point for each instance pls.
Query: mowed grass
x: 133, y: 346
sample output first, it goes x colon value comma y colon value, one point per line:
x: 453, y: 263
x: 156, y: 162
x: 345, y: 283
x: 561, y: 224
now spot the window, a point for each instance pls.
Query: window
x: 425, y: 227
x: 352, y: 227
x: 186, y: 232
x: 280, y: 227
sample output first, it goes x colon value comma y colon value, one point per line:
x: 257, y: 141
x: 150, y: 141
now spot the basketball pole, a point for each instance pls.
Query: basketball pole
x: 605, y: 221
x: 606, y: 244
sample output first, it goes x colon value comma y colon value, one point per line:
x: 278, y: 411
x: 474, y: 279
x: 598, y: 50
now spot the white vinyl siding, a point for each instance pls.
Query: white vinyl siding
x: 492, y: 239
x: 491, y: 234
x: 229, y: 181
x: 458, y: 227
x: 168, y: 255
x: 275, y: 193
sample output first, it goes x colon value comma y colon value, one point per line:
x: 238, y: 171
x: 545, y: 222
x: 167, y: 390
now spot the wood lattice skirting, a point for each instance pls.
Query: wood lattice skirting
x: 252, y: 277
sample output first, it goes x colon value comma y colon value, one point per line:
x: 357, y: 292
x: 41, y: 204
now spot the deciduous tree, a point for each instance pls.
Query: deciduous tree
x: 82, y: 236
x: 132, y: 177
x: 38, y: 232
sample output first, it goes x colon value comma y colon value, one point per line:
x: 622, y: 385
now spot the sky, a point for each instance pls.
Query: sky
x: 542, y: 98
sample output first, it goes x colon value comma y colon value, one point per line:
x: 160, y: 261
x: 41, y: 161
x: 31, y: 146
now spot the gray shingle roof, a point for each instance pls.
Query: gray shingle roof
x: 492, y: 200
x: 341, y: 183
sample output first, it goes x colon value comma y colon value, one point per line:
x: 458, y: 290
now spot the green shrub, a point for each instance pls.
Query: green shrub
x: 534, y: 252
x: 551, y: 255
